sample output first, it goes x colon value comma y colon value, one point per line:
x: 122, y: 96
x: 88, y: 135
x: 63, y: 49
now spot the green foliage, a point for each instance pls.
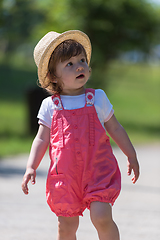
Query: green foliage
x: 118, y: 25
x: 18, y: 19
x: 115, y: 26
x: 57, y: 17
x: 112, y: 25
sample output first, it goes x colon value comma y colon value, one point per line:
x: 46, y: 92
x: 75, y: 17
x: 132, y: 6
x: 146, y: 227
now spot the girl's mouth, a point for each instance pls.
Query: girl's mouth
x: 80, y: 76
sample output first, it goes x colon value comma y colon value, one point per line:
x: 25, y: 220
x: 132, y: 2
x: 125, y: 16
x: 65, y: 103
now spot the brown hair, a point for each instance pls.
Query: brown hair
x: 65, y: 50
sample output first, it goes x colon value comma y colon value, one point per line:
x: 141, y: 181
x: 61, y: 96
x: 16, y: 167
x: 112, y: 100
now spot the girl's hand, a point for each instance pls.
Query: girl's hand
x: 133, y: 165
x: 30, y: 175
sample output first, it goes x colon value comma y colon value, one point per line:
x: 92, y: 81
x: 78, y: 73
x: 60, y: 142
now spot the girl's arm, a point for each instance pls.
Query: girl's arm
x: 119, y: 135
x: 38, y: 149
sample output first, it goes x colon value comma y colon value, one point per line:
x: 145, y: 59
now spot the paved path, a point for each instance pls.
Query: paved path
x: 136, y: 212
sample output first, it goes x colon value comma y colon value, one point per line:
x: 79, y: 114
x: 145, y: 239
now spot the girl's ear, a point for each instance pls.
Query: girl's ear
x: 90, y: 70
x: 54, y: 80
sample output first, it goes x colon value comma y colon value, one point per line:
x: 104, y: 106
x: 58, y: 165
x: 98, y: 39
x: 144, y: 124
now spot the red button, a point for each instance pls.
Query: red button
x: 78, y: 153
x: 56, y: 102
x: 90, y: 97
x: 76, y: 139
x: 75, y: 126
x: 73, y: 113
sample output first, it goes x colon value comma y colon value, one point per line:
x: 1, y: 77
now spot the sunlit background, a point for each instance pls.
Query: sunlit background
x: 157, y: 2
x: 125, y: 36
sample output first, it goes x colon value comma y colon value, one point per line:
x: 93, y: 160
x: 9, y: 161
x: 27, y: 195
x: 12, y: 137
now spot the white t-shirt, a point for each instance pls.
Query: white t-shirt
x: 102, y: 105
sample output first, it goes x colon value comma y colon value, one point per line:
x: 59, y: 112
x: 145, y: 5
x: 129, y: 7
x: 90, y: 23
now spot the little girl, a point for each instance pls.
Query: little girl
x: 73, y: 122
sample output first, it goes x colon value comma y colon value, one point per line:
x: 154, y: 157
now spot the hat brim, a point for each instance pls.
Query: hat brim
x: 76, y: 35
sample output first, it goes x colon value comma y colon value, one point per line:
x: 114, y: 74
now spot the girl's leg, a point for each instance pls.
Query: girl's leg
x: 67, y: 227
x: 101, y: 217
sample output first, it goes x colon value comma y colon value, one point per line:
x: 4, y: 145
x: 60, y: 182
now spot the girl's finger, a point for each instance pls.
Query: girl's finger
x: 33, y: 179
x: 129, y: 170
x: 24, y: 187
x: 25, y: 183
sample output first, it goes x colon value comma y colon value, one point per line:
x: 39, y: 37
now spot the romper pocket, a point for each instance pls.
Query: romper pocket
x: 56, y: 189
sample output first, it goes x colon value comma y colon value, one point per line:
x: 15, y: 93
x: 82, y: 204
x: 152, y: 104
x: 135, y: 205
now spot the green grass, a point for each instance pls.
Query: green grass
x: 134, y: 91
x: 14, y: 145
x: 14, y: 137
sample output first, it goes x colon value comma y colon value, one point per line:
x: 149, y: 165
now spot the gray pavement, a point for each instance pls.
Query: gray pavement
x: 136, y: 211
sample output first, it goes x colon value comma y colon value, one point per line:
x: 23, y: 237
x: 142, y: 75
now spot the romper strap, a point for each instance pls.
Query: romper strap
x: 58, y: 106
x: 90, y: 94
x: 57, y: 102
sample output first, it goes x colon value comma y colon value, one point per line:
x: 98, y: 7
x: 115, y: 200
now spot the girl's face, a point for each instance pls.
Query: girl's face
x: 73, y: 73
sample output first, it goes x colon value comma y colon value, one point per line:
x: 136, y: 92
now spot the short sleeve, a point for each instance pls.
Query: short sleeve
x: 46, y: 112
x: 103, y: 106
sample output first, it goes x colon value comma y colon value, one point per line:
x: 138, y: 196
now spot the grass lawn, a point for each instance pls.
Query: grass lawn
x: 134, y: 91
x: 14, y: 137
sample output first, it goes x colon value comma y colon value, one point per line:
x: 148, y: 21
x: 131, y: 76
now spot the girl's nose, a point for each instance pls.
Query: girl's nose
x: 79, y: 68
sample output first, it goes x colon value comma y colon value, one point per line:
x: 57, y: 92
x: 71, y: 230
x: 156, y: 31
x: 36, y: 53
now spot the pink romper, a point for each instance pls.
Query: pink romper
x: 83, y: 168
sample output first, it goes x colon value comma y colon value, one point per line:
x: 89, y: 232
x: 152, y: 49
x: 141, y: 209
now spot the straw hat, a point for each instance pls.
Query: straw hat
x: 50, y: 41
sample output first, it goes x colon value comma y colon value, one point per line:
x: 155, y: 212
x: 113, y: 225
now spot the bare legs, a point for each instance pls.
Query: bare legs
x: 67, y: 228
x: 101, y: 217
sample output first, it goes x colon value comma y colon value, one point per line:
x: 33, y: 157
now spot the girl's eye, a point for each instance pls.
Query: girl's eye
x: 83, y: 60
x: 69, y: 64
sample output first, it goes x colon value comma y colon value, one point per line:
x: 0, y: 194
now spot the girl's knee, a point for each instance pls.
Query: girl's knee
x: 101, y: 214
x: 67, y: 226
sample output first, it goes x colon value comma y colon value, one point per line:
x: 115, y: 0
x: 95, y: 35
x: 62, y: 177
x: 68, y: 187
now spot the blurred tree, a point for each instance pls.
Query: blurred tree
x: 18, y: 18
x: 58, y: 17
x: 112, y: 25
x: 115, y: 26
